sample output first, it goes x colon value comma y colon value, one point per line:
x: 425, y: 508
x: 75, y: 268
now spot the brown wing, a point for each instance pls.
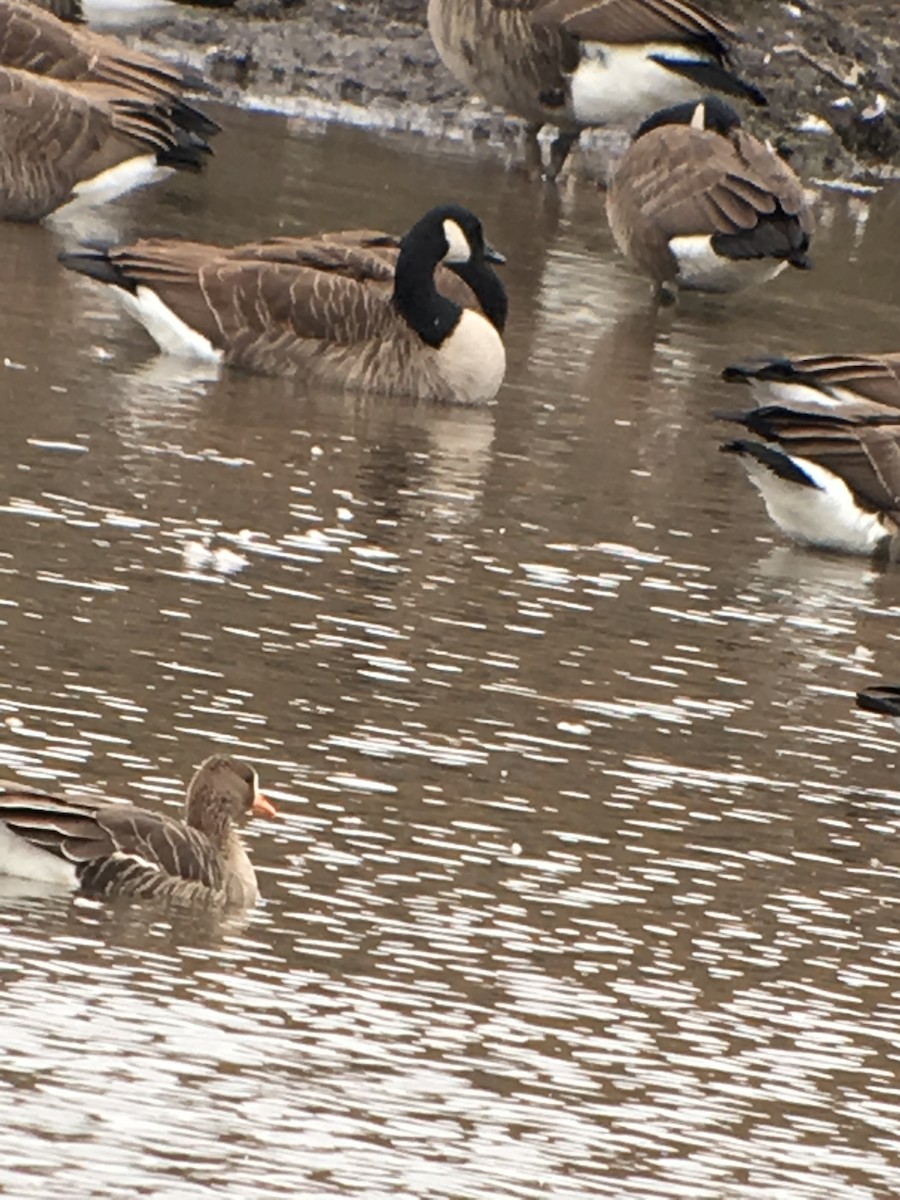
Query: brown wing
x: 54, y: 135
x: 677, y: 181
x: 862, y: 449
x: 625, y: 21
x: 37, y: 41
x: 112, y: 847
x: 875, y: 378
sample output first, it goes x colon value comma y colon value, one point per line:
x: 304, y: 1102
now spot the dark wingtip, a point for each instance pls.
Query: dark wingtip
x: 881, y: 698
x: 94, y: 261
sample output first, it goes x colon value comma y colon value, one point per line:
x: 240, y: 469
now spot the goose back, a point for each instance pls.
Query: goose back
x: 744, y: 205
x: 827, y: 379
x: 327, y: 308
x: 56, y: 136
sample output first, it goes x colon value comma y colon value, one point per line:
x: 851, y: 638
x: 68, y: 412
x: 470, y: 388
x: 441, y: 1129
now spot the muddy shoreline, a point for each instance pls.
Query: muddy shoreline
x: 831, y: 69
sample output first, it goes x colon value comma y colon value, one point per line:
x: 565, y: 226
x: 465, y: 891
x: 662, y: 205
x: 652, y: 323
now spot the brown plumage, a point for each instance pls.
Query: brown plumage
x: 55, y: 137
x: 37, y: 41
x: 829, y: 478
x: 693, y: 172
x: 531, y: 58
x: 106, y: 848
x: 826, y: 379
x: 349, y: 308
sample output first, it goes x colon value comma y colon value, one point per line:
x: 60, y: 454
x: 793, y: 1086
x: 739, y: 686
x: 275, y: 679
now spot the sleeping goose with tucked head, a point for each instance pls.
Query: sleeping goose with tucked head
x: 107, y: 848
x: 63, y: 144
x: 580, y: 63
x: 698, y: 203
x: 333, y: 309
x: 829, y: 380
x: 830, y: 478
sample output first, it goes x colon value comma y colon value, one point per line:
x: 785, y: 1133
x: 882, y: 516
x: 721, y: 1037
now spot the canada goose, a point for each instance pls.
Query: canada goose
x: 86, y: 142
x: 830, y: 380
x: 37, y: 41
x: 108, y: 848
x: 324, y: 308
x: 829, y: 478
x: 698, y: 203
x: 578, y: 63
x: 881, y: 698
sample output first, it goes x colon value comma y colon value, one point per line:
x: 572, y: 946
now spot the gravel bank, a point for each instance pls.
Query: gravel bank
x: 831, y: 69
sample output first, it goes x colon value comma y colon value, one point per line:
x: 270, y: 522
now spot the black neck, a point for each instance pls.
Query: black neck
x: 432, y: 316
x: 487, y: 288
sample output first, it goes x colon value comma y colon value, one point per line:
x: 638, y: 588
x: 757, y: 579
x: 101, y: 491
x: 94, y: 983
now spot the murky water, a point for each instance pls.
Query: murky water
x: 587, y: 881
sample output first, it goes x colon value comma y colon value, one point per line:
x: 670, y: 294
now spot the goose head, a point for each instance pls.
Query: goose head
x: 448, y: 234
x: 224, y: 792
x: 711, y: 113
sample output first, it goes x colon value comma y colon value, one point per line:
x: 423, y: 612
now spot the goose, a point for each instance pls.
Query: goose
x: 35, y: 40
x: 109, y: 848
x: 881, y: 698
x: 579, y: 63
x: 62, y: 143
x: 829, y: 380
x: 698, y: 203
x: 829, y: 478
x: 328, y: 309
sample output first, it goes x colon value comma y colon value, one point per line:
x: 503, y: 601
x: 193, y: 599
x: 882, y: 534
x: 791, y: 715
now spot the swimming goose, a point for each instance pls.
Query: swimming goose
x: 700, y: 204
x: 830, y: 380
x: 578, y: 63
x: 86, y: 142
x: 829, y: 479
x: 881, y: 698
x: 324, y: 308
x: 37, y: 41
x: 108, y: 848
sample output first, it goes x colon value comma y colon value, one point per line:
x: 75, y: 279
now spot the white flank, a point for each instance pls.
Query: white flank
x: 701, y: 269
x: 793, y: 392
x: 169, y: 332
x: 621, y: 85
x: 24, y: 861
x: 458, y: 248
x: 473, y: 360
x: 826, y: 515
x: 108, y: 185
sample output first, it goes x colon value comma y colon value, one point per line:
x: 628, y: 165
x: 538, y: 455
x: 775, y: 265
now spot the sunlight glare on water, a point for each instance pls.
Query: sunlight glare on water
x: 585, y: 878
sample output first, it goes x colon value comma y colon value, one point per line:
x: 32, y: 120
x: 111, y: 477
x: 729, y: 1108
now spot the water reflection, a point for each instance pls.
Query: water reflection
x: 585, y: 880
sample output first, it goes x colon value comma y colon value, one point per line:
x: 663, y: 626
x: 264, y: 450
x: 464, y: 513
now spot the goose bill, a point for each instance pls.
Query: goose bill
x: 263, y: 806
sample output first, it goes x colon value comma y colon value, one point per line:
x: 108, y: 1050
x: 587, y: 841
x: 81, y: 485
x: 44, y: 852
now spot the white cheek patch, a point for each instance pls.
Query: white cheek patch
x: 458, y: 248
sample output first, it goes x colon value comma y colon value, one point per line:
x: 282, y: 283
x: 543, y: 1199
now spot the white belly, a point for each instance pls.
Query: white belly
x: 827, y: 515
x: 621, y: 85
x: 473, y: 360
x: 135, y: 173
x: 167, y: 329
x: 701, y: 269
x: 24, y: 861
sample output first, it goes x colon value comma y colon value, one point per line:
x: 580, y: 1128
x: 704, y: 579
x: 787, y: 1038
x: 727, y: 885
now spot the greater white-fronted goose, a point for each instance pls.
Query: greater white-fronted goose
x: 829, y: 380
x: 85, y: 142
x: 579, y: 63
x: 109, y: 848
x: 829, y: 478
x: 699, y: 203
x: 37, y: 41
x: 330, y: 309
